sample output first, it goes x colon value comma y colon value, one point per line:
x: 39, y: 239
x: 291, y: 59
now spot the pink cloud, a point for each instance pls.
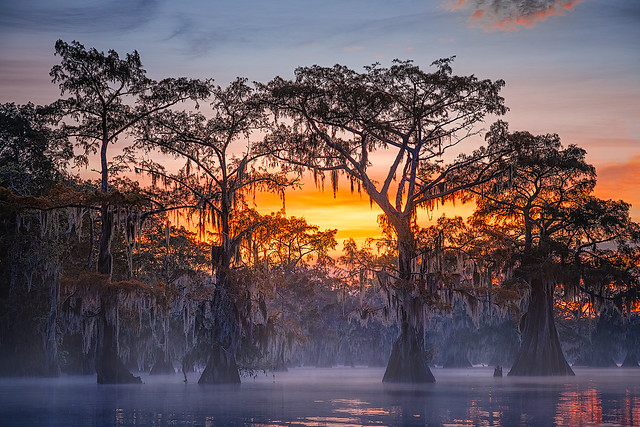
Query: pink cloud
x: 459, y: 4
x: 510, y: 15
x: 478, y: 15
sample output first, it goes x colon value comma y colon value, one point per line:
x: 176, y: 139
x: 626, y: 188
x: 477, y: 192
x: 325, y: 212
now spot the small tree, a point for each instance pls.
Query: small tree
x: 288, y: 268
x: 602, y: 268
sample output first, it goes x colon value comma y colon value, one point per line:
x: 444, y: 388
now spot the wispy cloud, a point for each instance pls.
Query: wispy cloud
x: 510, y: 15
x: 290, y: 24
x: 86, y: 16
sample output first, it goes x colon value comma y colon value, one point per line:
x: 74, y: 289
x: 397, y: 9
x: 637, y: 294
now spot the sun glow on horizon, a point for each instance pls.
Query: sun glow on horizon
x: 352, y: 214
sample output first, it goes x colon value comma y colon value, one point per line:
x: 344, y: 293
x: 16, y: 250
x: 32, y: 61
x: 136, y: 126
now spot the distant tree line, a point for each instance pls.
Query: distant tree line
x: 166, y: 262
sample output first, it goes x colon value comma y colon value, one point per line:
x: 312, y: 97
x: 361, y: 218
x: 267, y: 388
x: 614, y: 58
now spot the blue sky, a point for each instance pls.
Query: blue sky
x: 575, y: 73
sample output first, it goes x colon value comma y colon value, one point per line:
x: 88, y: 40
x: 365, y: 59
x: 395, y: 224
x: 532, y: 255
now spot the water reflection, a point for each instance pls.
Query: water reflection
x: 595, y: 404
x: 330, y: 397
x: 579, y: 408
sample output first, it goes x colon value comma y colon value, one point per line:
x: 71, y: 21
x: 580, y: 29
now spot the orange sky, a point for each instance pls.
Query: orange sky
x: 351, y: 214
x: 355, y: 218
x: 621, y: 181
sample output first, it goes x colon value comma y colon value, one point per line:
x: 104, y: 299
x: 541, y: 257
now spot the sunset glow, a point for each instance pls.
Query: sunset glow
x: 352, y: 214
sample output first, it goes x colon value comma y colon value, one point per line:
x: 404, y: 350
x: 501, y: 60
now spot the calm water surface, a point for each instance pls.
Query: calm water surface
x: 325, y: 397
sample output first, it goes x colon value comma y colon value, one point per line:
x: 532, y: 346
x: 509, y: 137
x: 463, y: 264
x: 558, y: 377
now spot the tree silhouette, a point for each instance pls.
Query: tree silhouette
x: 33, y: 155
x: 107, y: 97
x: 221, y: 169
x: 602, y: 271
x: 544, y: 205
x: 341, y: 118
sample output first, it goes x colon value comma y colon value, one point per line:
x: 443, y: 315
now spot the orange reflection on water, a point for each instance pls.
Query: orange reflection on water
x: 357, y: 408
x: 332, y: 421
x: 579, y: 408
x: 582, y: 408
x: 482, y: 416
x: 631, y: 410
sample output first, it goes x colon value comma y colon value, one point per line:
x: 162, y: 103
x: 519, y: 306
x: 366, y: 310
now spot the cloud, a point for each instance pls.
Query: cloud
x: 510, y: 15
x: 290, y: 24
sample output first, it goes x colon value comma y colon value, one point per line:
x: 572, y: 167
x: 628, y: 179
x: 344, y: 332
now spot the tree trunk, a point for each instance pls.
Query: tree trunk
x: 105, y: 260
x: 221, y: 368
x: 408, y: 363
x: 605, y: 334
x: 600, y: 357
x: 163, y: 363
x: 109, y: 367
x: 457, y: 359
x: 51, y: 366
x: 540, y: 352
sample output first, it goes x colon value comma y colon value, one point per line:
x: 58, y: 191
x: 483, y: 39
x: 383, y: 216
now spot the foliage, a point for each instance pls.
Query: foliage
x: 543, y: 208
x: 216, y: 178
x: 339, y: 119
x: 33, y: 155
x: 83, y: 257
x: 561, y: 236
x: 109, y: 95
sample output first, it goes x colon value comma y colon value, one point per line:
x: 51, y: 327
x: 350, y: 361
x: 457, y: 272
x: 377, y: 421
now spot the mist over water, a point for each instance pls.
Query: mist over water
x: 332, y: 396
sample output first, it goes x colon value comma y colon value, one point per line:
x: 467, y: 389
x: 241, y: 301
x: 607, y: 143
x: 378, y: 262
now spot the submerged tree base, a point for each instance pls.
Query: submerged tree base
x: 109, y: 367
x: 597, y: 359
x: 544, y: 368
x: 114, y: 372
x: 540, y: 353
x: 221, y: 368
x: 408, y: 363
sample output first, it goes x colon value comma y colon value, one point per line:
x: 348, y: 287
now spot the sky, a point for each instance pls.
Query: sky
x: 571, y: 67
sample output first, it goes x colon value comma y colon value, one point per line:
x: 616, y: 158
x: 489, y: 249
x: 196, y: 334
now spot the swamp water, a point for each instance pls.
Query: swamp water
x: 324, y: 397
